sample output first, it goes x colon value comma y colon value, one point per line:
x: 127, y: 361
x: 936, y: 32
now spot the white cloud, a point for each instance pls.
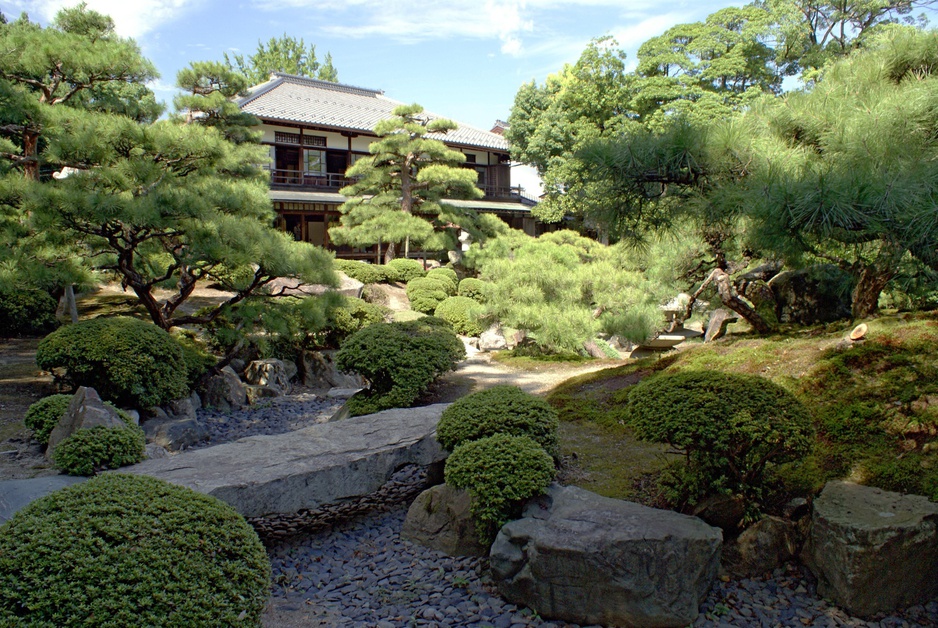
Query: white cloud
x: 134, y: 18
x: 634, y: 35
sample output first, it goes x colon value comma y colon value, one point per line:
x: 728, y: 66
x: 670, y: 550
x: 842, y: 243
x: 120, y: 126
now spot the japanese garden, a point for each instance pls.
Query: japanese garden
x: 288, y: 352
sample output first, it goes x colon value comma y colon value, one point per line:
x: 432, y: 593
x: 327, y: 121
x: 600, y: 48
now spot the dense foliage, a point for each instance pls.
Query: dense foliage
x: 26, y: 312
x: 283, y: 54
x: 42, y: 416
x: 727, y: 427
x: 88, y: 451
x: 130, y: 551
x: 499, y: 410
x: 128, y: 361
x: 403, y: 269
x: 463, y: 313
x: 363, y: 271
x: 499, y: 471
x: 426, y: 293
x: 399, y: 360
x: 474, y: 288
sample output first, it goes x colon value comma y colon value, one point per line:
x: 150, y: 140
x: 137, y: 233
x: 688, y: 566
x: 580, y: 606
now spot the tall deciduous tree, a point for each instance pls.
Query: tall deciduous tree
x: 399, y: 191
x: 162, y: 205
x: 282, y: 54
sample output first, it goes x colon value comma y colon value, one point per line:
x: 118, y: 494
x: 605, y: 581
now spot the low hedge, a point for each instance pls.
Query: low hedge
x: 426, y: 293
x: 499, y: 471
x: 26, y: 313
x: 399, y: 360
x: 464, y: 314
x: 95, y: 449
x: 362, y: 271
x: 403, y: 269
x: 42, y: 416
x: 121, y: 550
x: 128, y: 361
x: 499, y: 410
x: 728, y: 427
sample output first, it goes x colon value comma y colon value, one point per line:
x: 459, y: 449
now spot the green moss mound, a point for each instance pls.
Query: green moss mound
x: 128, y: 361
x: 26, y: 313
x: 729, y: 428
x: 446, y: 273
x: 42, y: 416
x: 463, y: 313
x: 362, y: 271
x: 499, y: 472
x: 121, y: 550
x: 403, y: 269
x: 98, y: 448
x: 399, y: 360
x: 475, y: 289
x: 427, y: 293
x: 499, y: 410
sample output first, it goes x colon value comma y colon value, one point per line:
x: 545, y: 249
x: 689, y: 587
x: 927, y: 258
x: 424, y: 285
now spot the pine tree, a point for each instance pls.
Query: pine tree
x: 282, y: 54
x: 398, y: 193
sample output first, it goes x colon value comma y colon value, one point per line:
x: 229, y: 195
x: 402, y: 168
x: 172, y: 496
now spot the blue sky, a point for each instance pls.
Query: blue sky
x: 463, y: 59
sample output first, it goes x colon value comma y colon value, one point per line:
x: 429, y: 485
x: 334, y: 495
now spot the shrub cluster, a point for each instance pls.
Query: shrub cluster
x: 121, y: 550
x: 26, y: 312
x: 403, y: 269
x: 362, y: 271
x: 91, y: 450
x: 399, y: 360
x: 499, y: 471
x: 499, y: 410
x: 728, y: 427
x: 445, y: 273
x: 42, y: 416
x: 128, y: 361
x: 473, y: 288
x: 425, y: 293
x: 463, y: 313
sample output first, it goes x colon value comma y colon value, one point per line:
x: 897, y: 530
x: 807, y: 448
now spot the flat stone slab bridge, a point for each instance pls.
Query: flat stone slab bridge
x: 306, y: 468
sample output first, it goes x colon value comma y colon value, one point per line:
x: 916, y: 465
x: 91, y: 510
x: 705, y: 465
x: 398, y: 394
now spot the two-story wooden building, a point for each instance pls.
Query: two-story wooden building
x: 316, y: 129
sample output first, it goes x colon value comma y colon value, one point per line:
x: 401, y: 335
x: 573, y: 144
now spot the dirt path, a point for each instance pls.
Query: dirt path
x: 21, y: 384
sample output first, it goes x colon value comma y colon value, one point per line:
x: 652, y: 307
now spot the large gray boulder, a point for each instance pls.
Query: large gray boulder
x: 588, y: 559
x: 175, y: 426
x: 271, y: 373
x: 762, y: 547
x: 439, y: 519
x: 872, y: 550
x: 492, y: 339
x: 306, y: 468
x: 224, y: 392
x: 318, y: 371
x: 85, y: 410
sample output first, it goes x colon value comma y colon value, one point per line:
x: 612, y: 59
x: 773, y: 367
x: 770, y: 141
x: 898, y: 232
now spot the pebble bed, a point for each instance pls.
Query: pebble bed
x: 347, y: 564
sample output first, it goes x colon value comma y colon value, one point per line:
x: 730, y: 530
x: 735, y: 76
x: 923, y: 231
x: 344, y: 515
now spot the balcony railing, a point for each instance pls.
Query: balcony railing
x: 334, y: 181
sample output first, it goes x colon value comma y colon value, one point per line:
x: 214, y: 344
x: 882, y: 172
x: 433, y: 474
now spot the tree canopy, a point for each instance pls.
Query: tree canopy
x: 283, y: 54
x: 398, y: 193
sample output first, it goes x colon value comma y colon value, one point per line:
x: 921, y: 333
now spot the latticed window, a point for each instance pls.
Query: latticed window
x: 314, y: 140
x: 286, y: 138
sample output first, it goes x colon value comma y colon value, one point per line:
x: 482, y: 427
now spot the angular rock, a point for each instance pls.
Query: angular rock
x: 492, y: 339
x: 85, y: 410
x: 583, y: 558
x: 180, y: 409
x: 318, y: 371
x: 270, y: 372
x: 872, y: 550
x: 760, y: 548
x: 290, y: 286
x: 291, y: 368
x: 195, y: 400
x: 439, y: 519
x: 156, y: 451
x: 317, y: 465
x: 173, y: 433
x: 716, y: 328
x: 224, y: 392
x: 256, y: 393
x: 723, y: 511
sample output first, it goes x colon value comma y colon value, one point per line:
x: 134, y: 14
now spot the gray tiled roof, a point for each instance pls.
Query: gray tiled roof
x: 310, y: 101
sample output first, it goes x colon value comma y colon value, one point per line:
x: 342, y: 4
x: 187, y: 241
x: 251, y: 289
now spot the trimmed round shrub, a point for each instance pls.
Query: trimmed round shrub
x: 499, y: 410
x: 42, y: 416
x: 26, y: 313
x: 121, y: 550
x: 98, y: 448
x: 403, y: 269
x: 443, y: 271
x: 475, y: 289
x: 426, y: 293
x: 362, y: 271
x: 499, y: 471
x: 728, y: 427
x: 399, y: 360
x: 128, y: 361
x: 354, y: 314
x: 464, y: 314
